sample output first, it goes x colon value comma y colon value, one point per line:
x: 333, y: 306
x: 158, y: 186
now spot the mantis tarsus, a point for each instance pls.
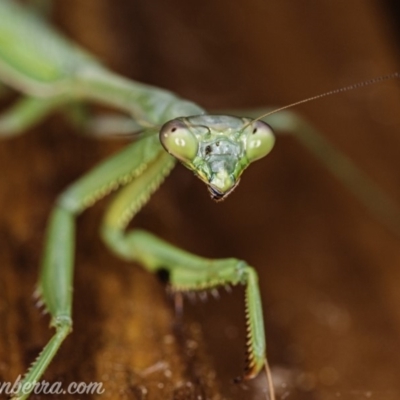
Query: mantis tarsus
x: 52, y: 72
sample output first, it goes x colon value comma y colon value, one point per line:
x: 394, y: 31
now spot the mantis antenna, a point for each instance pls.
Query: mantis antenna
x: 372, y: 81
x: 336, y: 91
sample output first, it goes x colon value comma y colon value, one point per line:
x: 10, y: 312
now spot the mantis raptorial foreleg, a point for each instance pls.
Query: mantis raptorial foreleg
x: 55, y: 283
x: 185, y: 271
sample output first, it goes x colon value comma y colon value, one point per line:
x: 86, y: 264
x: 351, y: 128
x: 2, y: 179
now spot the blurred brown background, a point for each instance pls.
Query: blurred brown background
x: 329, y: 272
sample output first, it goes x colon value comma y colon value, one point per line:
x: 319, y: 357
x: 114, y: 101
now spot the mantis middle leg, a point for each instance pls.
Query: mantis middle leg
x: 27, y: 112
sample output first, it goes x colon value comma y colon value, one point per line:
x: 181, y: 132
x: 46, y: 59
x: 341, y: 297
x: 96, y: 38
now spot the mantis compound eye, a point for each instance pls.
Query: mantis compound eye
x: 179, y: 141
x: 260, y: 140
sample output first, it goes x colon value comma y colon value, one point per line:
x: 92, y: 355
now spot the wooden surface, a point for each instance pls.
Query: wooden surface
x: 329, y: 273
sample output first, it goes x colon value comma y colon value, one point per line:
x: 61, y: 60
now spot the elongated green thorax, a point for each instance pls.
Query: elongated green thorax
x: 217, y: 148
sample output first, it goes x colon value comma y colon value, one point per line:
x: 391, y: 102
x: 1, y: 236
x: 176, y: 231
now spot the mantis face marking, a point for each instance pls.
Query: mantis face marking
x: 217, y: 148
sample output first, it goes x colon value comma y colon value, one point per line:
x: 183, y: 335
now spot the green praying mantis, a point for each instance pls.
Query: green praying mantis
x: 52, y: 72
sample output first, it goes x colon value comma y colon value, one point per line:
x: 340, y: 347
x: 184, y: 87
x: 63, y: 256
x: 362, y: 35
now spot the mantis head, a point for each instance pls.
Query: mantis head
x: 217, y: 148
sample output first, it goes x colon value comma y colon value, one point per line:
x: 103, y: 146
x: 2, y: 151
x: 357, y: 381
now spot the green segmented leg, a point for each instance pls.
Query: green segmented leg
x: 25, y: 113
x: 55, y: 282
x: 30, y: 111
x: 55, y: 287
x: 187, y: 272
x: 111, y: 126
